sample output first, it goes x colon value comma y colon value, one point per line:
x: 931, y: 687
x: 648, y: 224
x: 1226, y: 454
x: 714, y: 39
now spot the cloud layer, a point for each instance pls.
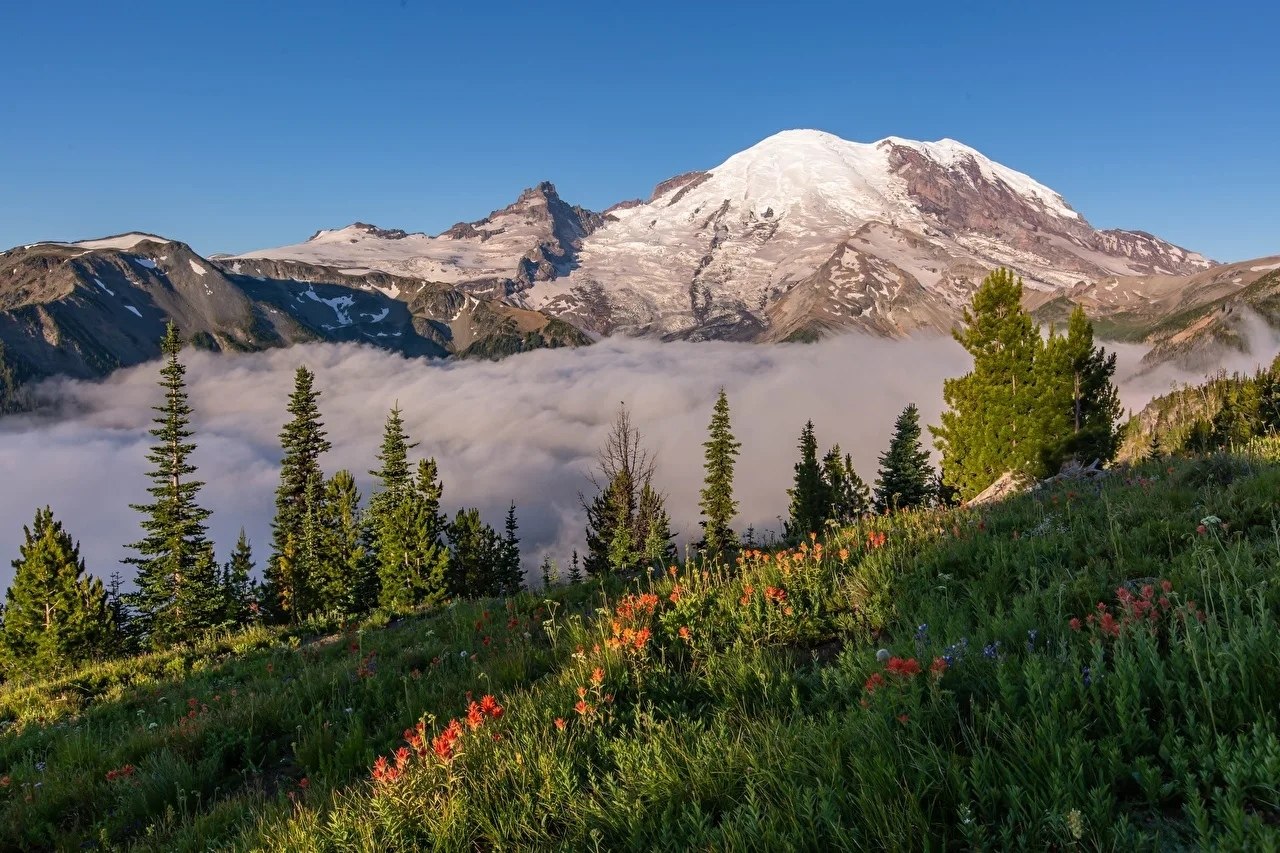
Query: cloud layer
x: 522, y: 429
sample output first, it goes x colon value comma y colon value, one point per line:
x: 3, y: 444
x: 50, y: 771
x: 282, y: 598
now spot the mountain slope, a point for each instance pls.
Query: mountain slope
x: 84, y: 309
x: 906, y: 228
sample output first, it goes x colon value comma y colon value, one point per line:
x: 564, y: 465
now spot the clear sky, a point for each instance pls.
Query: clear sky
x: 239, y: 124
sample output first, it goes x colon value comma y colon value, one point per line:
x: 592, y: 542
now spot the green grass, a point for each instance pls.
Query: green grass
x: 737, y: 707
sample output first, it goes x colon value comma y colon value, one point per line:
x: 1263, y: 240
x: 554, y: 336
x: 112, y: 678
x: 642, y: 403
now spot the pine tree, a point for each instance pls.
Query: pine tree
x: 653, y: 528
x: 172, y: 557
x: 717, y: 503
x: 237, y: 584
x: 55, y: 616
x: 475, y: 557
x: 616, y: 529
x: 346, y: 580
x: 990, y: 426
x: 1078, y: 406
x: 850, y: 497
x: 906, y: 478
x: 575, y: 573
x: 511, y: 573
x: 293, y: 555
x: 809, y: 498
x: 412, y: 558
x: 125, y: 633
x: 546, y: 569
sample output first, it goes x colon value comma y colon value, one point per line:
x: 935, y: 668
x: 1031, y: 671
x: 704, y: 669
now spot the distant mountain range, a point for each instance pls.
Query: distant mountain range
x: 800, y: 236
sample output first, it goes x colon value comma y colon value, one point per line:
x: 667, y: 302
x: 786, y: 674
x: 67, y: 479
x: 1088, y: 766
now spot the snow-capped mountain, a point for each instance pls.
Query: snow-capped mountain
x: 798, y: 235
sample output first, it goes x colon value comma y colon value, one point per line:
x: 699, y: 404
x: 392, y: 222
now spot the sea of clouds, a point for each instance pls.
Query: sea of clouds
x: 524, y: 429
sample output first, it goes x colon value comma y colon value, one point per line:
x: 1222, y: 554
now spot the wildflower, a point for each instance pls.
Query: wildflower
x: 903, y: 718
x: 938, y: 667
x: 304, y: 783
x: 1085, y: 675
x: 685, y: 634
x: 582, y: 707
x: 475, y: 717
x: 6, y: 781
x: 1074, y: 624
x: 1166, y: 587
x: 40, y: 766
x: 560, y: 723
x: 597, y: 676
x: 874, y: 682
x: 776, y: 594
x: 922, y: 632
x: 1075, y: 821
x: 672, y: 570
x: 491, y: 707
x: 1201, y: 529
x: 991, y: 650
x: 844, y: 555
x: 905, y: 667
x: 1031, y: 639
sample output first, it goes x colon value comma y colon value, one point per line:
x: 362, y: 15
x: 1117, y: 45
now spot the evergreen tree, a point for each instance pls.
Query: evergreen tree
x: 575, y: 573
x: 621, y: 520
x: 717, y: 503
x: 237, y: 584
x: 475, y: 557
x: 173, y: 556
x: 1078, y: 404
x: 412, y: 558
x: 906, y: 478
x: 346, y: 580
x: 547, y: 569
x: 125, y: 634
x: 653, y: 528
x: 990, y: 426
x: 510, y: 572
x: 809, y: 498
x: 293, y: 547
x: 55, y: 616
x: 850, y: 496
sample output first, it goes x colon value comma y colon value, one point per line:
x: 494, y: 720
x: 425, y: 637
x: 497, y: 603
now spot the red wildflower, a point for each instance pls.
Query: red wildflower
x: 642, y: 637
x: 490, y: 706
x: 560, y: 723
x: 907, y: 668
x: 685, y: 634
x: 675, y: 594
x: 775, y: 593
x: 1201, y: 529
x: 1166, y: 587
x: 1074, y: 624
x: 6, y: 781
x: 903, y: 718
x: 304, y: 783
x: 938, y: 667
x: 874, y: 683
x: 597, y: 676
x: 475, y: 717
x: 583, y: 708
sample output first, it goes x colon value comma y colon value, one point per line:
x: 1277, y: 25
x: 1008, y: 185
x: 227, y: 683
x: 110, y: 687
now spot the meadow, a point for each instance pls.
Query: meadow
x: 1090, y: 666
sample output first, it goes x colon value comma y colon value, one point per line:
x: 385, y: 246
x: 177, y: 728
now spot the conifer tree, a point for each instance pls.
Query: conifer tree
x: 346, y: 580
x: 412, y: 558
x: 809, y: 498
x: 511, y: 573
x: 717, y: 503
x: 294, y: 557
x: 55, y: 616
x: 125, y: 633
x: 475, y: 557
x: 654, y: 524
x: 906, y: 478
x: 619, y: 522
x: 237, y: 584
x: 575, y: 573
x: 1078, y: 406
x: 546, y: 568
x: 172, y: 557
x: 990, y: 426
x: 850, y: 496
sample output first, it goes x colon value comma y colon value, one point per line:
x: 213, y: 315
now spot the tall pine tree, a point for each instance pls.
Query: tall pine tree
x: 718, y: 506
x: 55, y: 616
x: 850, y: 497
x: 906, y: 477
x: 238, y: 598
x: 295, y: 540
x: 175, y: 578
x: 346, y: 580
x: 990, y: 426
x: 408, y: 532
x: 809, y: 498
x: 512, y: 575
x: 475, y: 557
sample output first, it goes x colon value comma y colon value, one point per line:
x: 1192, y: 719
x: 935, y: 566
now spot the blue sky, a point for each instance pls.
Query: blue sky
x: 239, y: 124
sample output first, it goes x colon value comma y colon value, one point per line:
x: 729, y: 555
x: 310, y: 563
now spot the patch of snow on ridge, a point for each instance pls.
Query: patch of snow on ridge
x: 120, y: 241
x: 98, y: 282
x: 196, y: 268
x: 144, y: 262
x: 134, y: 310
x: 339, y: 305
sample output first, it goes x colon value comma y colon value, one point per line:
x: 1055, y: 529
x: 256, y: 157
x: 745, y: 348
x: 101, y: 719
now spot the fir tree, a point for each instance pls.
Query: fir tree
x: 653, y: 528
x: 990, y: 426
x: 412, y: 558
x: 906, y: 478
x: 717, y: 503
x: 237, y: 584
x: 850, y: 497
x: 475, y: 557
x: 809, y: 498
x: 302, y: 440
x: 615, y: 537
x: 511, y: 573
x: 575, y: 573
x: 546, y: 569
x: 346, y: 581
x: 172, y: 557
x: 1078, y: 406
x: 126, y: 634
x: 55, y: 616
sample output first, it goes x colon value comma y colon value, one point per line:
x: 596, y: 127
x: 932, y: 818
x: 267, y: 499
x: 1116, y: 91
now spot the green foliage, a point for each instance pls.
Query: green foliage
x: 510, y: 572
x: 810, y: 500
x: 906, y: 477
x: 346, y: 581
x: 408, y: 530
x: 476, y: 554
x: 239, y: 603
x: 720, y: 450
x: 177, y: 579
x: 850, y: 496
x: 295, y: 538
x: 54, y: 616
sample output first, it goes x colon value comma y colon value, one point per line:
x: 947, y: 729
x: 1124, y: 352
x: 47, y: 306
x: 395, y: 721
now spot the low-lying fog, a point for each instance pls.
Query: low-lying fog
x: 522, y: 429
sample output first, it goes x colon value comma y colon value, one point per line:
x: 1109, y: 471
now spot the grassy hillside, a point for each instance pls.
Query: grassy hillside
x: 1078, y: 668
